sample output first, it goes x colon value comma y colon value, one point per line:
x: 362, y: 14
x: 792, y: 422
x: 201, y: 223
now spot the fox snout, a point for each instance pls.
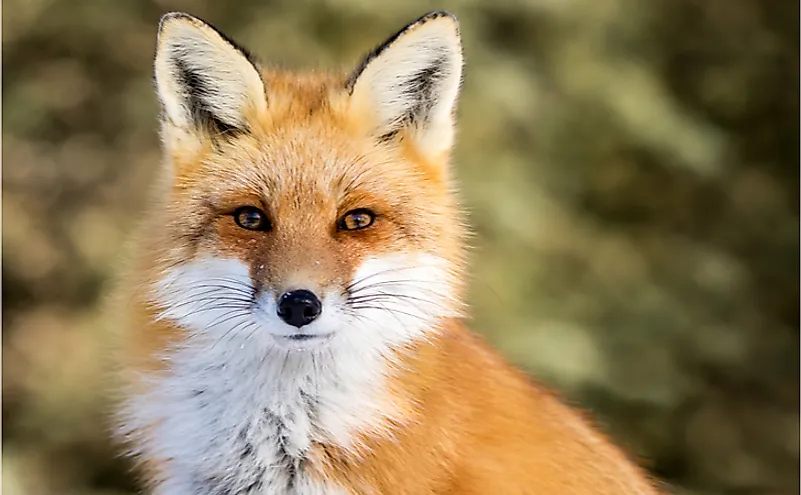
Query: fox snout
x: 299, y: 289
x: 299, y: 307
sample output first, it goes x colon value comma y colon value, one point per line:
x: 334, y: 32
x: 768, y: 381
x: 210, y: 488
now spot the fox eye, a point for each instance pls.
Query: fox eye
x: 251, y: 218
x: 357, y: 219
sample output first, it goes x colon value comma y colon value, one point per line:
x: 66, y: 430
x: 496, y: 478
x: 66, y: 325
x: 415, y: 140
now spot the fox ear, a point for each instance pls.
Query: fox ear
x: 411, y: 82
x: 206, y: 83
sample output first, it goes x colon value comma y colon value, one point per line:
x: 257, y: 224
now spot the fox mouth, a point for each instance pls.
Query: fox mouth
x: 307, y: 336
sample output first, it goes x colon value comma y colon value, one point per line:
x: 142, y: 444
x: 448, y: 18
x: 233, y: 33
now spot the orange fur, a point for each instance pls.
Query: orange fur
x: 466, y: 422
x: 479, y: 426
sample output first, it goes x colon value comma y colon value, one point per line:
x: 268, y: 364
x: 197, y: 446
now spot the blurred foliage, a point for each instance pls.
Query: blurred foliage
x: 630, y: 167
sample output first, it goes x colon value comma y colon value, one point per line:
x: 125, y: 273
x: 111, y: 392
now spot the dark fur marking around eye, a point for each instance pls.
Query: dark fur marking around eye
x: 197, y: 89
x: 196, y: 234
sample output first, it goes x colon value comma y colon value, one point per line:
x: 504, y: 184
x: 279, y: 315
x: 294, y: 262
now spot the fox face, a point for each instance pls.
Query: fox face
x: 304, y: 210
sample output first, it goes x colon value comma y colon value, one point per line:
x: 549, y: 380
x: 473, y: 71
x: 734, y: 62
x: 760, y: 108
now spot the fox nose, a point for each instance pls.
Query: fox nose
x: 299, y: 307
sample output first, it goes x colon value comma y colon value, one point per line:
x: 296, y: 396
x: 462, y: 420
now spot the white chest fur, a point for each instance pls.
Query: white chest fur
x: 246, y: 426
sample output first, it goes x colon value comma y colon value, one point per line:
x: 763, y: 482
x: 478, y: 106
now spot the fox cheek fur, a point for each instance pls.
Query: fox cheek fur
x: 292, y: 315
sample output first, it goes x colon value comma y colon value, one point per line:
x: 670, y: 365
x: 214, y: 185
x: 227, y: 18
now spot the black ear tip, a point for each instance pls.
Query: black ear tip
x: 200, y: 23
x: 437, y: 14
x: 434, y: 16
x: 177, y: 16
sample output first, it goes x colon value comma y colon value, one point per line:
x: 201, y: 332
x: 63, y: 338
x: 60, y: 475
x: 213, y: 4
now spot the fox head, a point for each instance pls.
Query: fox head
x: 301, y: 210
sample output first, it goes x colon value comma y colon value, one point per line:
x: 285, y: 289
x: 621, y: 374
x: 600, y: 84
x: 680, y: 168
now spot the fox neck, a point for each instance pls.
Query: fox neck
x: 254, y: 414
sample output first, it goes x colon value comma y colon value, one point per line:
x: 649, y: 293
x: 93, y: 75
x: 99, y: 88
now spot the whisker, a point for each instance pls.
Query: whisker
x: 208, y: 302
x: 165, y: 313
x: 435, y: 310
x: 411, y: 284
x: 411, y: 281
x: 241, y: 325
x: 399, y: 290
x: 382, y: 272
x: 200, y: 293
x: 393, y: 313
x: 388, y: 310
x: 211, y: 293
x: 238, y: 288
x: 389, y: 296
x: 228, y: 317
x: 370, y: 321
x: 234, y: 281
x: 254, y: 326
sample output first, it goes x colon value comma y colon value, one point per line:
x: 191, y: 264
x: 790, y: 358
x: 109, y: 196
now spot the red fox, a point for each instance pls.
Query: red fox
x: 294, y: 315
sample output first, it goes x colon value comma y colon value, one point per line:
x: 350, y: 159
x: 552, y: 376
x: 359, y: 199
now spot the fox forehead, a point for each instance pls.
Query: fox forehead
x: 309, y: 144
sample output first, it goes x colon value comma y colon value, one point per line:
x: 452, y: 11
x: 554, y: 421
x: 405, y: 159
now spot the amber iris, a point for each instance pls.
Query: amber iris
x: 357, y: 219
x: 251, y: 218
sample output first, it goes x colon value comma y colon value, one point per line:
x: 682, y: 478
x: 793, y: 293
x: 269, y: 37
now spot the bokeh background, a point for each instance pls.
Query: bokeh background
x: 631, y: 169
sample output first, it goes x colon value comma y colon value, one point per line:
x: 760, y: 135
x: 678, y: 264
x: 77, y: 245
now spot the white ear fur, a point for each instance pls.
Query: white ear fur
x: 203, y: 78
x: 412, y: 81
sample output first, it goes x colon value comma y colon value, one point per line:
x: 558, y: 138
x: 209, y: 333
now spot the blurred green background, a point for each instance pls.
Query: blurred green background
x: 631, y: 169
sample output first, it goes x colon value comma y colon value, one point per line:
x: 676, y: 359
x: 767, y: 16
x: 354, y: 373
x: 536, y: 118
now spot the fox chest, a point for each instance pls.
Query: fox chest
x: 235, y: 444
x: 242, y: 428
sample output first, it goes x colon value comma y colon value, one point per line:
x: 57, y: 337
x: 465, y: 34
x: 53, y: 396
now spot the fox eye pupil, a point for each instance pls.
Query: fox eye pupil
x: 357, y: 219
x: 251, y: 218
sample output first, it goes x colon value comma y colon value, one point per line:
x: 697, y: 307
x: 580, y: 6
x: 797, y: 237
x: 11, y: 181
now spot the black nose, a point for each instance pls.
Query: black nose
x: 299, y: 307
